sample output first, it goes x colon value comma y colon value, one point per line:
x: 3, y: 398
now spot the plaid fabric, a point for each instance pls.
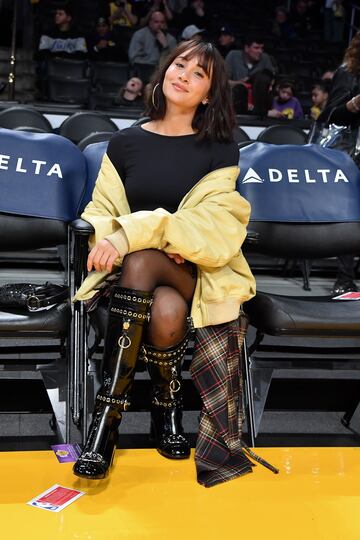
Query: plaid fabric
x: 216, y: 371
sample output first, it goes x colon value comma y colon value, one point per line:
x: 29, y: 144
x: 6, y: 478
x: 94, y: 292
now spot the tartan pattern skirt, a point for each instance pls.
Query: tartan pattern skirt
x: 216, y: 370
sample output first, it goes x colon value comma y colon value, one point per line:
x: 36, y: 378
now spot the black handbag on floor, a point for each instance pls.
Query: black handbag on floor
x: 32, y: 296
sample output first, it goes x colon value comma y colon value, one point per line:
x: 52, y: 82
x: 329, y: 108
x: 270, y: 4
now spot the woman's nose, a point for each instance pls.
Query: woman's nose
x: 183, y: 76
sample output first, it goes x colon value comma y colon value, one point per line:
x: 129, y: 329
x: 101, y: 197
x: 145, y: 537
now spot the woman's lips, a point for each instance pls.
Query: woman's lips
x: 178, y: 87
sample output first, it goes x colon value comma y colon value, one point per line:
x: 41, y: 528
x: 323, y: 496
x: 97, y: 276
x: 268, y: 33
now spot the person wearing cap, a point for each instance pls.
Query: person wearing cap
x: 102, y: 44
x: 192, y: 32
x: 225, y: 41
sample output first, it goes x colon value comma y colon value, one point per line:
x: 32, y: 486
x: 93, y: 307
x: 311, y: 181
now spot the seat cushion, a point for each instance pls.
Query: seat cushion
x: 53, y: 322
x: 319, y: 316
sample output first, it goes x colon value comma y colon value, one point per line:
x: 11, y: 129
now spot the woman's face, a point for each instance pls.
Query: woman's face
x: 185, y: 83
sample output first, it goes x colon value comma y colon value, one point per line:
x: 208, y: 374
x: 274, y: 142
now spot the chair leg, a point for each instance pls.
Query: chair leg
x: 305, y: 270
x: 249, y: 395
x: 349, y: 413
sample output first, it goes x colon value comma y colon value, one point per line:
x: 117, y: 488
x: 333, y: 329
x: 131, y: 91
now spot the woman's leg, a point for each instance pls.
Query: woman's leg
x: 151, y: 268
x: 143, y: 272
x: 166, y: 341
x: 128, y: 313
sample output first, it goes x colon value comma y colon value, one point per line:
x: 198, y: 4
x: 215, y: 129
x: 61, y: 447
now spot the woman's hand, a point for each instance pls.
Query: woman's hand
x: 102, y: 256
x: 176, y: 258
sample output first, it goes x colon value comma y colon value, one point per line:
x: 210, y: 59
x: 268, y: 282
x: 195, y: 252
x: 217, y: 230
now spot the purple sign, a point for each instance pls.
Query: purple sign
x: 66, y: 453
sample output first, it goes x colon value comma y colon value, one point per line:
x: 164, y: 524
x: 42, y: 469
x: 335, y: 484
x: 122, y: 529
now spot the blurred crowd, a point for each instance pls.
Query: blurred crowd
x: 263, y: 56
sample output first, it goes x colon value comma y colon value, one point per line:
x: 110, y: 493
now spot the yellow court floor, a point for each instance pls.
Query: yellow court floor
x: 316, y: 496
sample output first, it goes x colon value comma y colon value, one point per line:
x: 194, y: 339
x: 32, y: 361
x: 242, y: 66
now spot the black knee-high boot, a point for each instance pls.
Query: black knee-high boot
x: 128, y: 312
x: 164, y: 367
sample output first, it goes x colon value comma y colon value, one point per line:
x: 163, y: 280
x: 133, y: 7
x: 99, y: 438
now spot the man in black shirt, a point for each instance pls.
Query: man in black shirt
x: 64, y: 39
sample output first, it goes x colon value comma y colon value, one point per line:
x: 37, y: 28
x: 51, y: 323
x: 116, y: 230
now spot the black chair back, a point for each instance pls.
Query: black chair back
x: 282, y: 134
x: 79, y: 125
x: 24, y: 117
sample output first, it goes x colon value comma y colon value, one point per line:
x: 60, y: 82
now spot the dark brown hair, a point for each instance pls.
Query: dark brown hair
x: 352, y: 55
x: 214, y: 121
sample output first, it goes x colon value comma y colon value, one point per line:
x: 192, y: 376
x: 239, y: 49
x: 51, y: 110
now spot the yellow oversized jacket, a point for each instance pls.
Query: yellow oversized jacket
x: 207, y: 229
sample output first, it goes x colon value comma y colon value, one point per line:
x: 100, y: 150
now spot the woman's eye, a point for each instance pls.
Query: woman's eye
x: 199, y: 74
x: 179, y: 64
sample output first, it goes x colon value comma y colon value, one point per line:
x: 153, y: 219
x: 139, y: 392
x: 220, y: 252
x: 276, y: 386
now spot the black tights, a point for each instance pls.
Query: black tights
x: 173, y: 287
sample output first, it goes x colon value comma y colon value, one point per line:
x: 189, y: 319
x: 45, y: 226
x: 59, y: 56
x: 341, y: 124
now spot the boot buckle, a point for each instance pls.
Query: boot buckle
x: 124, y: 342
x: 175, y: 385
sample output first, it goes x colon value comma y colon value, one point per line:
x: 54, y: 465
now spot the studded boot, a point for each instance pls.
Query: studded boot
x: 164, y: 368
x: 128, y: 312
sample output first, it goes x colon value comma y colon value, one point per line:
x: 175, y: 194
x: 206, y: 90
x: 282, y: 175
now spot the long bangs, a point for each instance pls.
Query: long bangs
x: 203, y: 51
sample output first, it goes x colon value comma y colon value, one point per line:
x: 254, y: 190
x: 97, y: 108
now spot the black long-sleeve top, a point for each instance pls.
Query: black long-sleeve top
x: 159, y: 170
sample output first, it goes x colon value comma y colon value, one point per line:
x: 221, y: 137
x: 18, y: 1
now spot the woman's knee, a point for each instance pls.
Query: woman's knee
x: 168, y: 316
x: 136, y: 269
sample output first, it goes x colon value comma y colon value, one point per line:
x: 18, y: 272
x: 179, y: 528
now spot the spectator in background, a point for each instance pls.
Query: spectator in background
x: 282, y: 27
x: 343, y: 109
x: 242, y: 64
x: 240, y: 97
x: 64, y: 39
x: 122, y: 21
x: 285, y: 103
x: 157, y: 5
x: 121, y: 14
x: 131, y: 94
x: 148, y: 45
x: 262, y: 84
x: 177, y: 6
x: 301, y: 19
x: 225, y: 41
x: 102, y: 43
x: 334, y: 21
x: 192, y: 32
x: 196, y: 13
x: 319, y: 97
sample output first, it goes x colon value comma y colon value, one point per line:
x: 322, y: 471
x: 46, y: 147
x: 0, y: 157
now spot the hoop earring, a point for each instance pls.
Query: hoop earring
x: 155, y: 105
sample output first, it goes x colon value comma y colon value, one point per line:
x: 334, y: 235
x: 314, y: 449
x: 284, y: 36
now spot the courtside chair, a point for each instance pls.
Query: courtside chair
x: 97, y: 136
x: 68, y: 68
x: 305, y: 204
x: 24, y: 117
x: 240, y: 135
x: 81, y: 124
x: 282, y: 134
x: 42, y: 182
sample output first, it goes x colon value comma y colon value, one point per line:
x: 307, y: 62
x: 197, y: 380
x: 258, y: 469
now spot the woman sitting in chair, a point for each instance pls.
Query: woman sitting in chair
x: 169, y: 226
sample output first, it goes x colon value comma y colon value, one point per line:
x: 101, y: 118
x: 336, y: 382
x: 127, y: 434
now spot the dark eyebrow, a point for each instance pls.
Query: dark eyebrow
x: 187, y: 59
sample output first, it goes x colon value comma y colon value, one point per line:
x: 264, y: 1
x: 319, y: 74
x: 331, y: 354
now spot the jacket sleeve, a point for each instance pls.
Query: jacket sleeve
x: 108, y: 201
x: 210, y: 233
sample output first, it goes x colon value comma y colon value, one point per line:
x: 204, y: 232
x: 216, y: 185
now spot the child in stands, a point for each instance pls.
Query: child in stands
x: 286, y: 103
x: 319, y: 96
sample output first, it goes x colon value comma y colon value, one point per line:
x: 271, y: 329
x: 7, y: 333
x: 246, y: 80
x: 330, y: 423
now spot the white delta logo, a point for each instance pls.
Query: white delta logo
x: 37, y: 166
x: 295, y: 176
